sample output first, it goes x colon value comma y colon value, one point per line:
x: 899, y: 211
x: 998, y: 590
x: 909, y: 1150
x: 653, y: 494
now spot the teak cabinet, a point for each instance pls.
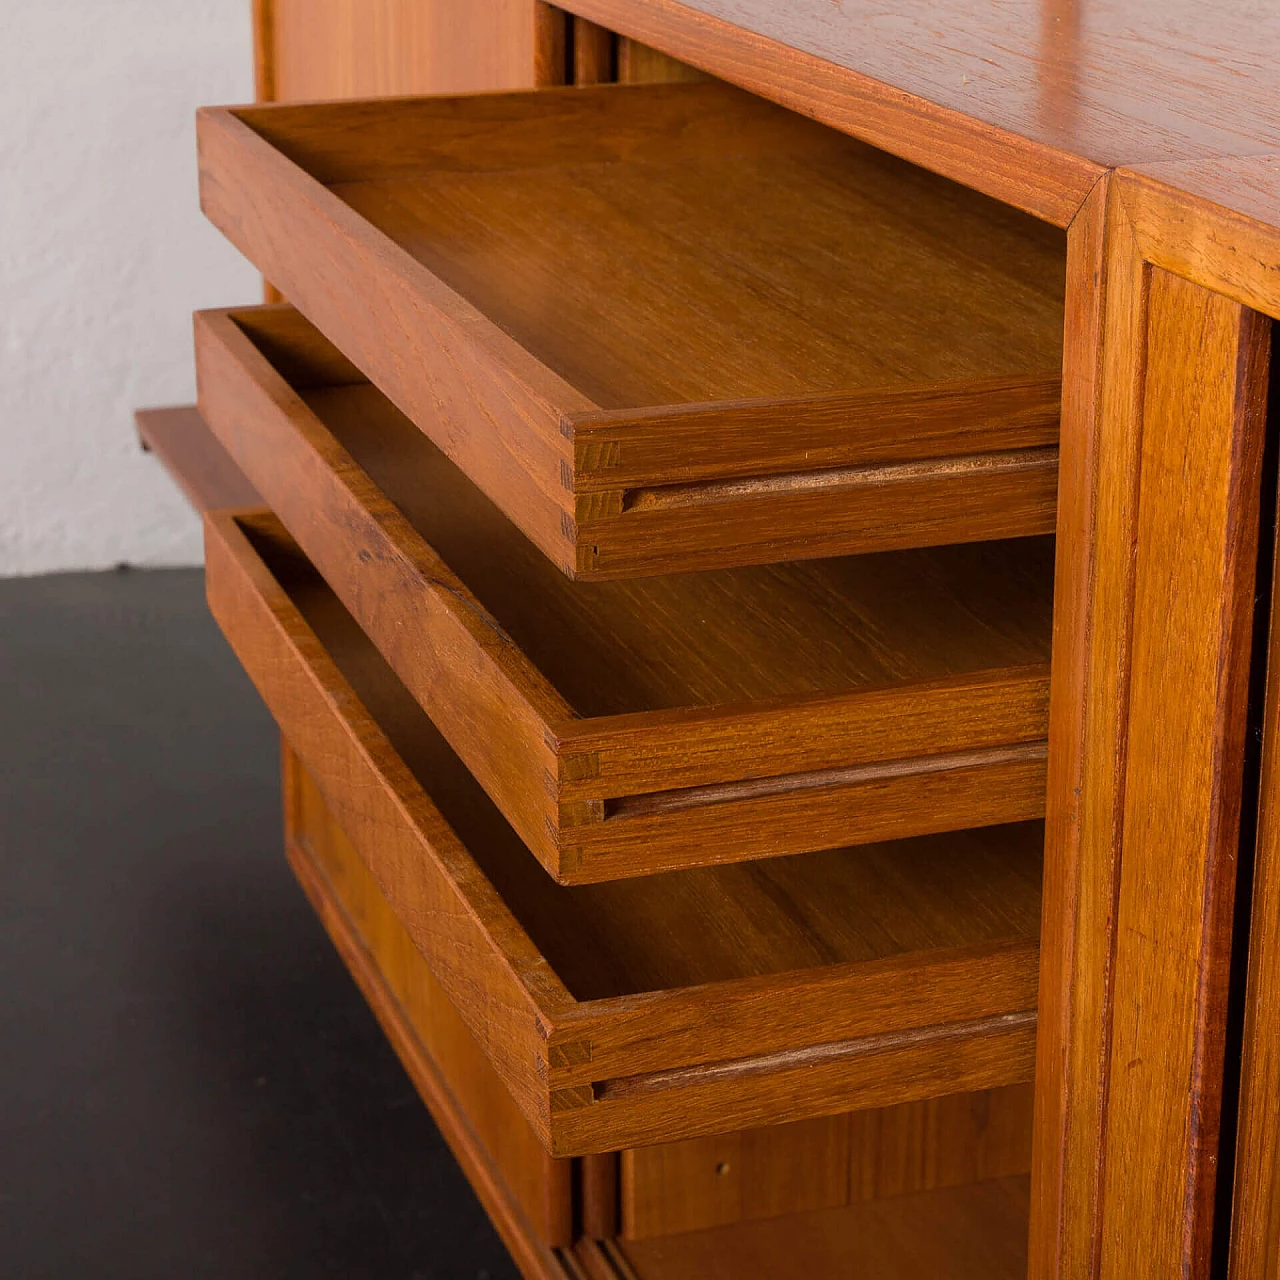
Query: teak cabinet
x: 756, y: 523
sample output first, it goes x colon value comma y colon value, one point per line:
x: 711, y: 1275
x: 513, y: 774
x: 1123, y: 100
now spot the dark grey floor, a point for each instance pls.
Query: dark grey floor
x: 190, y: 1085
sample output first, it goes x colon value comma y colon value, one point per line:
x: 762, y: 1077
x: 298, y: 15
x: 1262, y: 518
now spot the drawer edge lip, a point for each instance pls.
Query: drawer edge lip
x: 608, y: 1037
x: 760, y: 1064
x: 950, y: 514
x: 1035, y: 411
x: 626, y: 756
x: 1000, y: 1057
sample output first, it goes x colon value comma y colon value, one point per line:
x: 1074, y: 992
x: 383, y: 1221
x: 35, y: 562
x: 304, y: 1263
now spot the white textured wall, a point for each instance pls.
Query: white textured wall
x: 103, y: 256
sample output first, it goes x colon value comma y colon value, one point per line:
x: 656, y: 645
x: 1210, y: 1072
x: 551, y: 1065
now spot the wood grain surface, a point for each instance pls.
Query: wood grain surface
x: 817, y: 1164
x: 1077, y: 920
x: 975, y: 1232
x: 191, y: 454
x: 1216, y: 222
x: 735, y: 1177
x: 526, y: 1191
x: 1156, y: 576
x: 1166, y: 1087
x: 1028, y: 103
x: 1206, y: 189
x: 640, y: 64
x: 943, y: 1142
x: 324, y: 49
x: 663, y: 722
x: 616, y: 1014
x: 595, y: 54
x: 702, y: 249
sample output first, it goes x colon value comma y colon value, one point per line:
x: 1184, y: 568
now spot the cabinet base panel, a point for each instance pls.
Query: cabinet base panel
x: 975, y: 1232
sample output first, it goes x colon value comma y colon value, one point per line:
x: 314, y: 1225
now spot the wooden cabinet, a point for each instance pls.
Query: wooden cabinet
x: 650, y: 581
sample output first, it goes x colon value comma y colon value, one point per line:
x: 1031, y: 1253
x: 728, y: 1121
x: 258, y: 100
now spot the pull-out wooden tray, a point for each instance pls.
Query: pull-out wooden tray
x: 667, y: 327
x: 642, y: 726
x: 659, y: 1008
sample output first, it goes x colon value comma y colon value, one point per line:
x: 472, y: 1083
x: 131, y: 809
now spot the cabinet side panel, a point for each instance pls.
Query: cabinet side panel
x: 1158, y: 542
x: 383, y: 48
x: 735, y: 1177
x: 538, y: 1182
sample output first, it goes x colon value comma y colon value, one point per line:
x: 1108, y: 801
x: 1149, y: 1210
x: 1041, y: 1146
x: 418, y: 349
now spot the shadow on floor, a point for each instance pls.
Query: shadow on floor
x: 190, y: 1084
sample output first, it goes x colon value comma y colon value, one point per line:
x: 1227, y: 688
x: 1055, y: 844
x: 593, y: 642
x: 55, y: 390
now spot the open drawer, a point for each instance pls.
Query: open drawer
x: 665, y: 1007
x: 667, y: 327
x: 632, y: 727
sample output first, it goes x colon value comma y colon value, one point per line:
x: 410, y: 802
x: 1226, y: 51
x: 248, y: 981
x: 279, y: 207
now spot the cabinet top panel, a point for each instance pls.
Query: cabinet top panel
x: 1028, y: 101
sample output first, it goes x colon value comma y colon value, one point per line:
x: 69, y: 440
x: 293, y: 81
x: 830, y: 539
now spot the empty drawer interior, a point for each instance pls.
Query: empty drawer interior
x: 633, y: 307
x: 653, y: 694
x: 699, y: 983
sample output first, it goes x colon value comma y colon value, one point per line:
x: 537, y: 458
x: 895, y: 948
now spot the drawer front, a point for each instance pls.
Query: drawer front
x: 840, y: 702
x: 668, y: 327
x: 613, y: 1014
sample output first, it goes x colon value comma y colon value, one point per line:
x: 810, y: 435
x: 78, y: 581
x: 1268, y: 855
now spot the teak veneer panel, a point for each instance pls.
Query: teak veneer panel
x: 662, y: 722
x: 734, y: 1177
x: 180, y: 438
x: 1030, y: 103
x: 639, y: 64
x: 665, y: 1007
x: 427, y: 1029
x: 670, y: 326
x: 975, y: 1232
x: 823, y: 1163
x: 309, y: 49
